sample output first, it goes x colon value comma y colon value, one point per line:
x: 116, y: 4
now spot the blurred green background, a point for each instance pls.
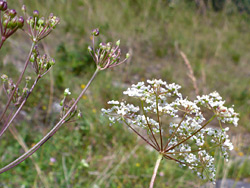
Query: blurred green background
x: 214, y: 35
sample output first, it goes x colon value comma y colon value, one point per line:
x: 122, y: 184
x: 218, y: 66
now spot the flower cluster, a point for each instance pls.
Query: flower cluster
x: 177, y: 127
x: 41, y: 64
x: 40, y: 27
x: 9, y: 86
x: 107, y: 55
x: 10, y: 22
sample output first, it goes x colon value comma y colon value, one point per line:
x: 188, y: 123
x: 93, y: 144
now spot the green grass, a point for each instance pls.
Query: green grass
x: 216, y: 44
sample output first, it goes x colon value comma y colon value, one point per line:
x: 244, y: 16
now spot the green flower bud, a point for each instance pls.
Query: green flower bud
x: 52, y: 62
x: 61, y: 103
x: 5, y: 22
x: 127, y: 55
x: 4, y: 78
x: 118, y: 43
x: 95, y: 32
x: 12, y: 13
x: 90, y: 49
x: 24, y: 9
x: 20, y: 22
x: 32, y: 58
x: 31, y: 21
x: 28, y: 78
x: 3, y: 5
x: 41, y: 21
x: 13, y: 23
x: 79, y: 115
x: 35, y: 13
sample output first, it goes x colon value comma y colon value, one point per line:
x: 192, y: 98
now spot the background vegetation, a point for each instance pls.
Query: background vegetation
x: 90, y: 153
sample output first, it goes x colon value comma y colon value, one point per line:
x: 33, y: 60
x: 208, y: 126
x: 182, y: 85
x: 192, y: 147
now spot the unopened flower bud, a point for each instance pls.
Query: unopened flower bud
x: 13, y: 23
x: 32, y: 58
x: 30, y: 21
x: 12, y: 13
x: 20, y: 22
x: 127, y: 55
x: 102, y: 45
x: 41, y: 21
x: 61, y: 103
x: 90, y: 49
x: 95, y: 32
x: 52, y: 62
x: 4, y: 77
x: 35, y: 13
x: 118, y: 43
x: 24, y: 9
x: 79, y: 115
x: 3, y: 5
x: 28, y: 78
x: 5, y: 22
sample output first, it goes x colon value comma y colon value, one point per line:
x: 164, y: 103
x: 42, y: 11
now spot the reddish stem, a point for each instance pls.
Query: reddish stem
x: 18, y: 82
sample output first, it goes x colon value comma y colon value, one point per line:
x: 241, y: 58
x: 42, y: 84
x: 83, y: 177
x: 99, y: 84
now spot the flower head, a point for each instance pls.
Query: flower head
x: 40, y: 27
x: 178, y: 122
x: 107, y: 55
x: 10, y: 22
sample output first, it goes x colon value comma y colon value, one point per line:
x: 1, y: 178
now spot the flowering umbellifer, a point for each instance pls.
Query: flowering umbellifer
x: 177, y: 127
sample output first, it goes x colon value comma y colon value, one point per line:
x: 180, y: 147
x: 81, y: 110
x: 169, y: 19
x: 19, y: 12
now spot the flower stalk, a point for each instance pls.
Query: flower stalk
x: 157, y: 164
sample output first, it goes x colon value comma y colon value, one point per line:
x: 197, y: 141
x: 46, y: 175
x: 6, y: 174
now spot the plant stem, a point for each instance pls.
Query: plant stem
x: 155, y: 171
x: 172, y: 147
x: 1, y: 43
x: 18, y: 82
x: 158, y: 117
x: 7, y: 124
x: 50, y: 133
x: 149, y: 126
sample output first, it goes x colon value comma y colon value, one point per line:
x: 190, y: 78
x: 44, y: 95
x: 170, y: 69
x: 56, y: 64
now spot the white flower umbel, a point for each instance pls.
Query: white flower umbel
x: 176, y: 127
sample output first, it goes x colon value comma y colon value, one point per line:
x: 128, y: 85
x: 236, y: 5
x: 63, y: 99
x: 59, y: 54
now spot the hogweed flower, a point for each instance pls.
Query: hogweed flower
x: 177, y: 127
x: 107, y: 55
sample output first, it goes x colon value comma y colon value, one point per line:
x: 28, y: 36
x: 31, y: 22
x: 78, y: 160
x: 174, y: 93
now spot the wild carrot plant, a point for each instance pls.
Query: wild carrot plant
x: 177, y: 128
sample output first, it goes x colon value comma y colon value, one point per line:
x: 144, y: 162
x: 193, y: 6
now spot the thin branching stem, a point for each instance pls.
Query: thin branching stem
x: 158, y: 117
x: 172, y: 147
x: 18, y: 82
x: 173, y: 134
x: 136, y: 132
x: 1, y: 27
x: 50, y: 133
x: 142, y: 106
x: 6, y: 125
